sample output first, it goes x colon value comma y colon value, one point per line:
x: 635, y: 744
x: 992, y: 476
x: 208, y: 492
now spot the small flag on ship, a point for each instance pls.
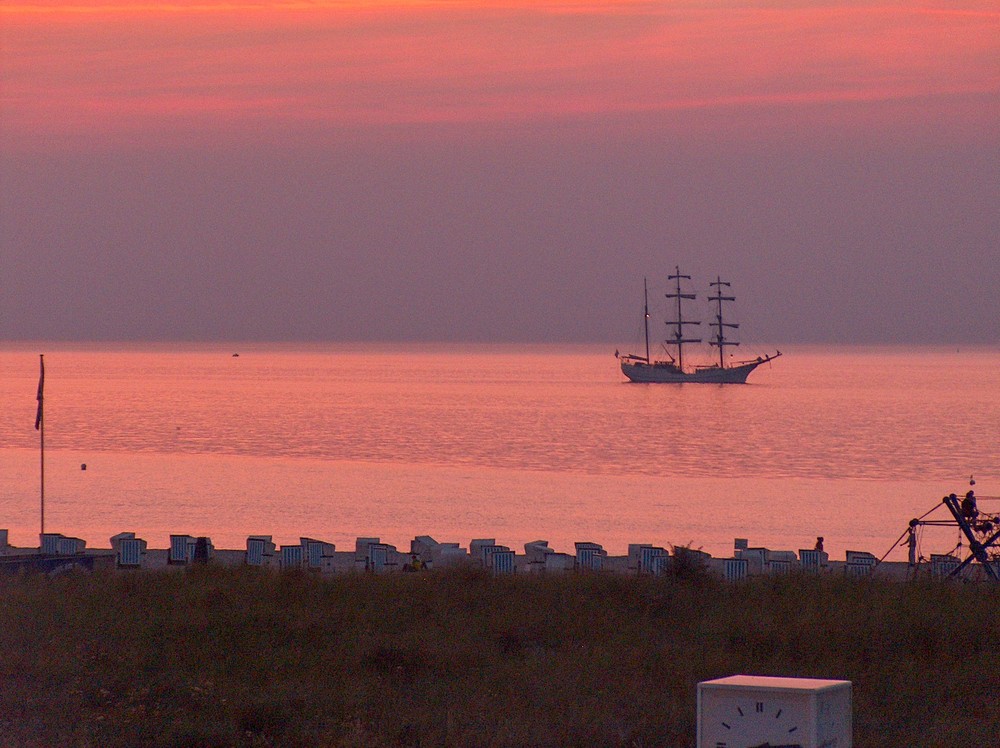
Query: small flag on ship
x: 41, y: 386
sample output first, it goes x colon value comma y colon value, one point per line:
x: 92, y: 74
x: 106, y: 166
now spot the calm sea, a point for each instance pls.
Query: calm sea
x: 513, y: 443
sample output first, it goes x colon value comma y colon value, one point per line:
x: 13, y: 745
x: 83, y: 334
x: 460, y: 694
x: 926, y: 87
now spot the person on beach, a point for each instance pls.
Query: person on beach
x: 969, y: 509
x: 911, y: 543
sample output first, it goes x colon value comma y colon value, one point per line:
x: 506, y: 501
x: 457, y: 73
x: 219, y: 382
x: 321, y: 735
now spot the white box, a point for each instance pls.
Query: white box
x: 744, y: 711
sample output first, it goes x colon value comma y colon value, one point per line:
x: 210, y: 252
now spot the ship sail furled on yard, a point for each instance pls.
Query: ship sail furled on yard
x: 644, y: 369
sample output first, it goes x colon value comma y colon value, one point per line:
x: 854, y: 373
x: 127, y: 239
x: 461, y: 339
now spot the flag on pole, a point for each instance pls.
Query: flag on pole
x: 41, y: 386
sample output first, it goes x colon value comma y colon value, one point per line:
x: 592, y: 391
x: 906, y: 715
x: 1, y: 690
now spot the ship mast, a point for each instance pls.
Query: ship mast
x: 719, y: 338
x: 678, y: 337
x: 645, y: 314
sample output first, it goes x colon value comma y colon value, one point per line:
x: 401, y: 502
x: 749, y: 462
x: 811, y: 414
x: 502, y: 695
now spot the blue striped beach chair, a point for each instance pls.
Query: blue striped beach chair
x: 291, y: 556
x: 313, y: 552
x: 650, y: 559
x: 589, y: 556
x: 590, y: 559
x: 488, y: 551
x: 181, y: 549
x: 779, y: 567
x: 735, y: 569
x: 502, y: 561
x: 260, y: 550
x: 634, y: 549
x: 130, y: 553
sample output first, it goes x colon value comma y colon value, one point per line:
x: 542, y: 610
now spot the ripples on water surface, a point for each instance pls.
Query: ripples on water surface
x: 516, y: 443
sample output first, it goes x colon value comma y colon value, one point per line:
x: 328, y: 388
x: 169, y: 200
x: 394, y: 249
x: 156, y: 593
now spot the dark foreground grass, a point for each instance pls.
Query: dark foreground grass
x: 216, y: 657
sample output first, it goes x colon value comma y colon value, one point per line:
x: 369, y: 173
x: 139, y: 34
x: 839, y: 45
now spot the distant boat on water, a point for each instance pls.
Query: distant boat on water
x: 644, y: 369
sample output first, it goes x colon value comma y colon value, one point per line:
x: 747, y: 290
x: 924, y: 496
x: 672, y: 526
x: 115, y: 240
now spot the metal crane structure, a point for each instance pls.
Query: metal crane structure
x: 980, y: 530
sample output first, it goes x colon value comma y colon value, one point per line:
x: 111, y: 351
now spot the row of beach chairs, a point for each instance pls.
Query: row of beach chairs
x: 375, y: 556
x: 372, y: 555
x: 749, y: 561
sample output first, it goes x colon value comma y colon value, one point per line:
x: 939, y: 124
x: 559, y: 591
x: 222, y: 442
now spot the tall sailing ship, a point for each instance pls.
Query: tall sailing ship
x: 644, y: 369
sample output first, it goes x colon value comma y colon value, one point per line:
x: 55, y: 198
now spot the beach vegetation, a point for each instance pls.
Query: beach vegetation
x: 213, y: 656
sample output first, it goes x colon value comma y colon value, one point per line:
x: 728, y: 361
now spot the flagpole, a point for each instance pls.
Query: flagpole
x: 40, y: 425
x: 41, y: 438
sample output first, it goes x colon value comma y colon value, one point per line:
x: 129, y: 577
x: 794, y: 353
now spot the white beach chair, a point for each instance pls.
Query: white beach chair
x: 448, y: 554
x: 780, y: 562
x: 812, y: 560
x: 535, y: 553
x: 260, y: 550
x: 422, y: 543
x: 70, y: 546
x: 477, y: 549
x: 362, y: 553
x: 781, y: 556
x: 318, y: 554
x: 756, y: 558
x: 943, y: 564
x: 361, y: 547
x: 536, y: 550
x: 859, y: 563
x: 378, y: 557
x: 116, y: 539
x: 49, y: 543
x: 559, y: 562
x: 423, y: 547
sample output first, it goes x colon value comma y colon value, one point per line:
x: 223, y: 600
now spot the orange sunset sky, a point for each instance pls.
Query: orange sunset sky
x: 494, y: 162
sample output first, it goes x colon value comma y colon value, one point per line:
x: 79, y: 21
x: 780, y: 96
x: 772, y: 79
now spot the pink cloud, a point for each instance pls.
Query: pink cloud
x: 151, y: 68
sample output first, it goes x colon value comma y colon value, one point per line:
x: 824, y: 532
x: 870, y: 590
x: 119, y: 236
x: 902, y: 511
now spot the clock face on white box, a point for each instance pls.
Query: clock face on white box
x: 764, y: 720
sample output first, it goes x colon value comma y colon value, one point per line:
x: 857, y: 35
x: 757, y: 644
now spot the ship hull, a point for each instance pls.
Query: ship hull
x: 665, y: 373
